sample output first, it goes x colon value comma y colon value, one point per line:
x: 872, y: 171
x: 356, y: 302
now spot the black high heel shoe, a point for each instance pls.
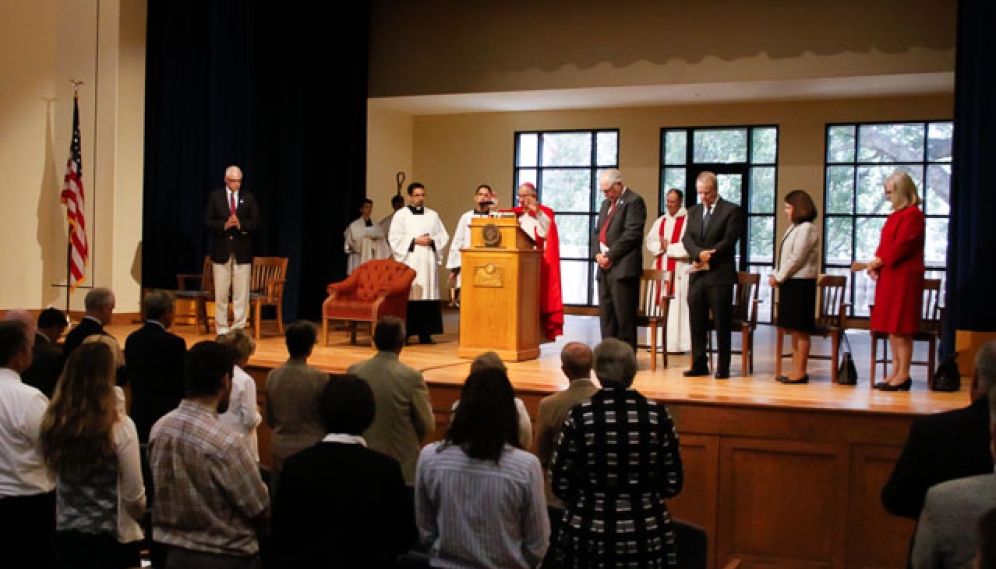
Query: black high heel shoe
x: 886, y: 386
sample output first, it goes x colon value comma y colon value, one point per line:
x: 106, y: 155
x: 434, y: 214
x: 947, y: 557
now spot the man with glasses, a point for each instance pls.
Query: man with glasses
x: 616, y: 249
x: 232, y: 216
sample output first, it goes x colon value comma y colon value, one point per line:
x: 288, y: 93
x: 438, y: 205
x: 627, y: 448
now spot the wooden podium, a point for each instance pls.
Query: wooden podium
x: 499, y: 295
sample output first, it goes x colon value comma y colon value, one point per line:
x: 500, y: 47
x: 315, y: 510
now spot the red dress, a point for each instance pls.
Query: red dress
x: 899, y: 292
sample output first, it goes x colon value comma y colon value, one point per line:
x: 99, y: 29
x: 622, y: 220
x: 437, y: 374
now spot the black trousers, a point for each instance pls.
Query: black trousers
x: 701, y: 299
x: 617, y: 303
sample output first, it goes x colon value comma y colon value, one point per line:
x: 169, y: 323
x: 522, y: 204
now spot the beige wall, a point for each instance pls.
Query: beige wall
x: 45, y: 44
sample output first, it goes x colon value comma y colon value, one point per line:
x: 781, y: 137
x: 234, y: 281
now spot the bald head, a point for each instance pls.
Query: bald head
x: 575, y: 361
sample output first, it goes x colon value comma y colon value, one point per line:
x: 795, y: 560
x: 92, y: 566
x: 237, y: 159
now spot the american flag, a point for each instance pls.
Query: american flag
x: 72, y: 198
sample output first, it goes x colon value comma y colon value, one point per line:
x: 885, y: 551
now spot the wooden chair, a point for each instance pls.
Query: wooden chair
x: 931, y: 317
x: 655, y: 300
x: 266, y: 288
x: 199, y: 289
x: 830, y: 293
x: 744, y: 318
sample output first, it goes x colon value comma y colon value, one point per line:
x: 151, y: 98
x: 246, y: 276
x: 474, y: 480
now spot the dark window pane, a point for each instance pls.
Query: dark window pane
x: 675, y: 147
x: 840, y: 190
x: 567, y: 149
x: 939, y: 136
x: 566, y: 190
x: 762, y: 190
x: 528, y: 144
x: 938, y: 198
x: 760, y: 238
x: 765, y: 145
x: 720, y: 146
x: 935, y: 250
x: 869, y: 233
x: 574, y: 281
x: 891, y: 143
x: 574, y: 232
x: 840, y: 144
x: 837, y: 242
x: 607, y: 149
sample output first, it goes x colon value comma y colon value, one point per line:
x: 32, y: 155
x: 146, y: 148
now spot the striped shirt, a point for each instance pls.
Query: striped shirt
x: 208, y: 487
x: 475, y: 513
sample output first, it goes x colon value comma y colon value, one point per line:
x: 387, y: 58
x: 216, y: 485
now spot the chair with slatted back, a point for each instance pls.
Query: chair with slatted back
x: 830, y: 293
x: 266, y: 288
x: 931, y: 318
x: 655, y: 299
x: 744, y: 318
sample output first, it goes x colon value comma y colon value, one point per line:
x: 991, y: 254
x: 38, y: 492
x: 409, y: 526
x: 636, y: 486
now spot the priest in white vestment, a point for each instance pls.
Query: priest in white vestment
x: 417, y: 239
x: 484, y: 202
x: 664, y: 243
x: 364, y: 240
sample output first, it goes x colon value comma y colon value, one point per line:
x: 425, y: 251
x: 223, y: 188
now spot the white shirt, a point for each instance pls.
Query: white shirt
x: 22, y: 469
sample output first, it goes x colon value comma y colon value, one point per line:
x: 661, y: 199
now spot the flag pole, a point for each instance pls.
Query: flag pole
x: 69, y: 234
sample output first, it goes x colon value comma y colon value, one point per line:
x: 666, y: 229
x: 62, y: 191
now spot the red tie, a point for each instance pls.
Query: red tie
x: 608, y: 218
x: 231, y: 202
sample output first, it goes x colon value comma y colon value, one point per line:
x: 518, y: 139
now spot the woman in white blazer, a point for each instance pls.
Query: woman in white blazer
x: 795, y: 279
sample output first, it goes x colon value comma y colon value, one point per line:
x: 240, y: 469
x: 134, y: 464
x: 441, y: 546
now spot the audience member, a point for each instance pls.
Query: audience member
x: 944, y: 537
x: 404, y: 414
x: 575, y: 360
x: 292, y: 394
x: 242, y: 415
x: 615, y: 462
x: 27, y: 497
x: 46, y: 356
x: 338, y: 503
x: 154, y: 364
x: 99, y: 304
x: 211, y: 505
x: 478, y: 496
x: 92, y: 446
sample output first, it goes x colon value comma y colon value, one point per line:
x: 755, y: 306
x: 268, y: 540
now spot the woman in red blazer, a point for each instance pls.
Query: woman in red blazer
x: 898, y: 269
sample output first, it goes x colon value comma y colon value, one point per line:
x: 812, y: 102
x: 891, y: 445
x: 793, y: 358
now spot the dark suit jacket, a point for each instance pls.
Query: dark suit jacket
x: 722, y: 234
x: 46, y: 365
x: 154, y: 369
x: 237, y: 241
x: 940, y: 447
x: 87, y: 327
x: 624, y: 235
x: 341, y: 505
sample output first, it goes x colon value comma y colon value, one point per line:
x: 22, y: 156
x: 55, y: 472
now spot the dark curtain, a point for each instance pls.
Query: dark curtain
x: 971, y: 238
x: 277, y: 88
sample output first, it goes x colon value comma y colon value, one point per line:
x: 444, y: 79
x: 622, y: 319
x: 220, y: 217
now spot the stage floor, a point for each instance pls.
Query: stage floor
x: 440, y: 365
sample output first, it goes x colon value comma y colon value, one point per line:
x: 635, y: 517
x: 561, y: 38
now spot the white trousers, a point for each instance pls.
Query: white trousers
x: 235, y: 277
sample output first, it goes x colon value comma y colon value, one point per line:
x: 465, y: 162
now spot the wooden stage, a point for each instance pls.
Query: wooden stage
x: 778, y: 475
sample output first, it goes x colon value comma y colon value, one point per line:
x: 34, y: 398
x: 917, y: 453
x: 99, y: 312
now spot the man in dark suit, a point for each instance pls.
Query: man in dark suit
x: 232, y: 216
x: 944, y: 446
x: 714, y: 226
x: 47, y: 357
x: 154, y: 364
x: 99, y: 305
x: 617, y: 246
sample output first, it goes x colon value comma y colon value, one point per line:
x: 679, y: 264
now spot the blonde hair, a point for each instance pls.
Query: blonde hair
x: 903, y: 186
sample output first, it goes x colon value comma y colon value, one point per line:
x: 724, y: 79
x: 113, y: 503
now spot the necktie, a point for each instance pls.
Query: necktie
x: 231, y: 202
x: 608, y: 218
x: 705, y: 220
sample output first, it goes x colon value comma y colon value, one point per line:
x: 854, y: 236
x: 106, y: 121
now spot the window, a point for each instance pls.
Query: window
x: 745, y: 161
x: 564, y: 167
x: 858, y: 160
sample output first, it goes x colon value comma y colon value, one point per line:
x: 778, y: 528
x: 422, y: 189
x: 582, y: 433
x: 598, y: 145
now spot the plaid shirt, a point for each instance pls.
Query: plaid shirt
x: 208, y: 487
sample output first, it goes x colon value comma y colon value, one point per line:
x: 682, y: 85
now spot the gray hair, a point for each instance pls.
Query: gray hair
x: 98, y: 298
x: 611, y: 176
x: 615, y: 362
x: 157, y: 303
x: 487, y: 360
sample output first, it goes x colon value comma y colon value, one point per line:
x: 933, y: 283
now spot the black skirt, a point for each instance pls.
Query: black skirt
x: 797, y: 305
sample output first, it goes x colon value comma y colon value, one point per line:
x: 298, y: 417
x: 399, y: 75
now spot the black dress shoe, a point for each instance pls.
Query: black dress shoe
x: 695, y: 372
x: 723, y: 374
x: 886, y: 386
x: 803, y: 379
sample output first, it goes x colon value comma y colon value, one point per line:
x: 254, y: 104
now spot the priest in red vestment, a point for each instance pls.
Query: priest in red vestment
x: 538, y: 222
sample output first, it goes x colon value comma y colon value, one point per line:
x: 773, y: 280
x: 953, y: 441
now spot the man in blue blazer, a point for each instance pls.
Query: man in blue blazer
x: 232, y: 216
x: 714, y: 226
x: 617, y: 246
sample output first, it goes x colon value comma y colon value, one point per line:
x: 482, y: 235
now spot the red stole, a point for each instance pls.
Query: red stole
x: 679, y: 222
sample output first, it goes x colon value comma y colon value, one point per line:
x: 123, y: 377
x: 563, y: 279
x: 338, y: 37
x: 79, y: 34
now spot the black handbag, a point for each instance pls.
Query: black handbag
x: 947, y: 377
x: 847, y: 373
